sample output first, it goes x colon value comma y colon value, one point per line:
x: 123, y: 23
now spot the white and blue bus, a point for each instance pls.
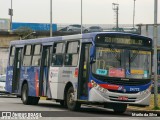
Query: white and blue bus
x: 109, y: 68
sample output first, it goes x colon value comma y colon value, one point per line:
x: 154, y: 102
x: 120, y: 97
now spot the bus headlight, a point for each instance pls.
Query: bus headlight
x: 146, y: 91
x: 98, y: 87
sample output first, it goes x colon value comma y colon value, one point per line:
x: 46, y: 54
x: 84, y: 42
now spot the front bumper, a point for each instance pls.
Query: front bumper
x: 140, y: 98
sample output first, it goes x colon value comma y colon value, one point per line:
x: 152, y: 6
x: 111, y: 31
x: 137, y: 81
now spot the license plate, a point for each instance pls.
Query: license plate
x: 122, y: 98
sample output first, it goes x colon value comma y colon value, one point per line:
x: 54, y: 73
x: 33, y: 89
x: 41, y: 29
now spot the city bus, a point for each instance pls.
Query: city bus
x: 108, y: 68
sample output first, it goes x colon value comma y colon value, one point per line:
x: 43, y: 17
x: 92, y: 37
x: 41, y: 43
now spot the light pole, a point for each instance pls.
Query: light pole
x: 155, y: 39
x: 133, y: 12
x: 116, y: 8
x: 81, y: 19
x: 11, y: 14
x: 50, y: 18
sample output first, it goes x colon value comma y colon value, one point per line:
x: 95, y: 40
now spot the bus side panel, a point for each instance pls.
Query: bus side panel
x: 59, y: 77
x: 31, y: 75
x: 9, y: 76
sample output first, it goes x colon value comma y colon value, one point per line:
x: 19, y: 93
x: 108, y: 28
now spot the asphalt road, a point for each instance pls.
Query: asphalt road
x: 50, y: 109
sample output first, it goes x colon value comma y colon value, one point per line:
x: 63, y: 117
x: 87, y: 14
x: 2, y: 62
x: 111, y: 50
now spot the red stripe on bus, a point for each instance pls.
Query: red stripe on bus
x: 106, y: 86
x: 36, y: 83
x: 109, y: 86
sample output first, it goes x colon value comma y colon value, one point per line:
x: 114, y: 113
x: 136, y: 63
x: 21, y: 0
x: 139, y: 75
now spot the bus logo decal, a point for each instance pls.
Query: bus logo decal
x: 10, y: 72
x: 121, y: 88
x: 53, y: 73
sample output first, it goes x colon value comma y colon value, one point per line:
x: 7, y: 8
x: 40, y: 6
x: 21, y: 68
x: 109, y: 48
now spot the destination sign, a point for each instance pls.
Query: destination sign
x: 123, y: 39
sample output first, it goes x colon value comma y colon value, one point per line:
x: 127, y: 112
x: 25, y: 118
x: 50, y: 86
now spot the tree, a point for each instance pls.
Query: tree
x: 25, y: 33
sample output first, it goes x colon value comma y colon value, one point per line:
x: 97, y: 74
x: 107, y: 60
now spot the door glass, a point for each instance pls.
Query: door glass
x: 84, y: 65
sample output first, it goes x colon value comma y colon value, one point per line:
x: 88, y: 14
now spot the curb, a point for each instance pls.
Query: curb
x: 142, y: 110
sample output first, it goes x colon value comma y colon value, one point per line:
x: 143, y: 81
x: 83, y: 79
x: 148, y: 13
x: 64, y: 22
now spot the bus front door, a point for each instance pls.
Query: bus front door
x: 16, y: 70
x: 44, y: 69
x: 83, y: 72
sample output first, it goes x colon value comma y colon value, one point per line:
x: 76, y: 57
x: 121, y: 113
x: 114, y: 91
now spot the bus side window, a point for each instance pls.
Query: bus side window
x: 57, y: 57
x: 27, y: 55
x: 11, y: 59
x: 36, y: 55
x: 71, y: 57
x: 46, y: 59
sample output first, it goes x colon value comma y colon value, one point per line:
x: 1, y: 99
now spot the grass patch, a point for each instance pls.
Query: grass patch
x: 156, y: 108
x: 150, y: 107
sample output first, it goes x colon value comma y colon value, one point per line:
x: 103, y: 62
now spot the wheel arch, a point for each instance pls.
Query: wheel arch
x: 68, y: 85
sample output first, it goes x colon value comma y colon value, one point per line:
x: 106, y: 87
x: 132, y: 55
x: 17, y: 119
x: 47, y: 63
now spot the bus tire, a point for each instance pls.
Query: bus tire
x: 71, y: 104
x: 18, y: 96
x: 25, y: 98
x: 119, y: 108
x: 63, y: 103
x: 35, y: 100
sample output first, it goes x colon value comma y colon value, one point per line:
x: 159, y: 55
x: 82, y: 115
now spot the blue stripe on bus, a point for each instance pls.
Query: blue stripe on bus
x: 30, y: 74
x: 137, y: 88
x: 9, y: 76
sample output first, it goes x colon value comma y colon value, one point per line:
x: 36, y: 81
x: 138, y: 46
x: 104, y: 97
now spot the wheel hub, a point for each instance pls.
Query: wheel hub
x: 71, y: 98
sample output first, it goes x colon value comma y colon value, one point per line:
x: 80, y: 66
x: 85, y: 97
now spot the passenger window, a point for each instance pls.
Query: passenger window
x: 28, y: 50
x: 60, y: 48
x: 36, y: 55
x: 57, y: 57
x: 27, y: 55
x: 73, y: 47
x: 11, y: 59
x: 71, y: 57
x: 37, y: 49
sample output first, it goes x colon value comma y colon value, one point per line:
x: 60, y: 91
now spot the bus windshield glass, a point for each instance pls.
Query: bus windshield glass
x: 122, y: 63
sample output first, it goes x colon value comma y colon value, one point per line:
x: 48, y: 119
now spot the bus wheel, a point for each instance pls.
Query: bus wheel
x: 119, y: 108
x: 63, y: 103
x: 25, y: 98
x: 71, y: 104
x: 35, y: 100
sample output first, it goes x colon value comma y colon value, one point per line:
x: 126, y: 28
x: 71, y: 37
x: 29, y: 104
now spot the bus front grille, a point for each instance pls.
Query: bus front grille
x: 129, y: 92
x: 128, y: 83
x: 120, y: 81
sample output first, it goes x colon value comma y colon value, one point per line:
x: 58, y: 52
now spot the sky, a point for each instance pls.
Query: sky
x: 69, y: 11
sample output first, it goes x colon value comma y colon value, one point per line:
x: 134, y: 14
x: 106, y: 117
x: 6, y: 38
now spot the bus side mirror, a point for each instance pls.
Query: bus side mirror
x: 92, y: 54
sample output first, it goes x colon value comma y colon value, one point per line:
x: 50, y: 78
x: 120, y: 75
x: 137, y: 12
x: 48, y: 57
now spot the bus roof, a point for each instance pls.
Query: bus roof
x: 72, y: 37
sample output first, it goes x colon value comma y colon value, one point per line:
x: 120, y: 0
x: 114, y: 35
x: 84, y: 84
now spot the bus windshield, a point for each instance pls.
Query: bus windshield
x: 122, y: 63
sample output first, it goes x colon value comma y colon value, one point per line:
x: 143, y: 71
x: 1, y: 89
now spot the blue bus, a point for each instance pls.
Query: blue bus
x: 109, y: 68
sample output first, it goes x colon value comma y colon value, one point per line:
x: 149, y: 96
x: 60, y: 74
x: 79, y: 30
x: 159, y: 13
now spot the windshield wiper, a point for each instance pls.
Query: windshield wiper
x: 115, y: 53
x: 134, y: 56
